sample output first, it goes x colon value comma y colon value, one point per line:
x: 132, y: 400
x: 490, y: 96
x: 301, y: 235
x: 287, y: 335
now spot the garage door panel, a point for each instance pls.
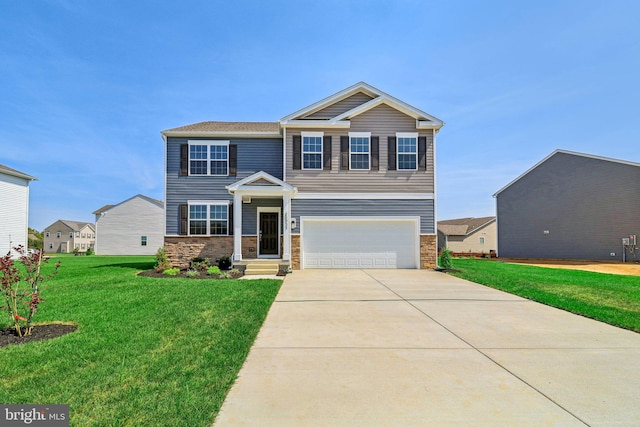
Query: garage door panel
x: 359, y: 244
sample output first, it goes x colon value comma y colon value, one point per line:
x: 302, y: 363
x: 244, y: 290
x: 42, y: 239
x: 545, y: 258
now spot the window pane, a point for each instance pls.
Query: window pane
x: 198, y: 167
x: 219, y: 152
x: 218, y: 227
x: 359, y: 161
x: 312, y: 161
x: 218, y: 212
x: 312, y: 144
x: 359, y: 145
x: 198, y: 212
x: 198, y: 227
x: 218, y: 167
x: 218, y: 216
x: 198, y: 159
x: 407, y: 161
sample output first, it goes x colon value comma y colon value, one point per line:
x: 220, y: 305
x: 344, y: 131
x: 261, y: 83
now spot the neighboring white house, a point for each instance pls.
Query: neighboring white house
x: 14, y: 208
x: 132, y: 227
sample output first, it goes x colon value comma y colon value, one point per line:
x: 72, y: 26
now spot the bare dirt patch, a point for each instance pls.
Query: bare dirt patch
x: 628, y: 269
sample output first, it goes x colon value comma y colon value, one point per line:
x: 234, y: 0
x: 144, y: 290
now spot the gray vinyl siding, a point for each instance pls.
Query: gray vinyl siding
x: 349, y: 208
x: 382, y: 121
x: 119, y: 231
x: 254, y: 155
x: 340, y: 107
x: 587, y: 205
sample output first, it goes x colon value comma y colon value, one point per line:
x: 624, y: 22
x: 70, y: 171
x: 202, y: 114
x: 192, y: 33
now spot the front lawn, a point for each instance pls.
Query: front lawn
x: 610, y: 298
x: 148, y: 351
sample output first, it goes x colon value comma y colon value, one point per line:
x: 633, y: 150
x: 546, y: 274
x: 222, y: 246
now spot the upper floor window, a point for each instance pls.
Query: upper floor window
x: 83, y: 235
x: 407, y: 151
x: 359, y: 150
x: 58, y: 234
x: 143, y: 240
x: 312, y: 150
x: 71, y: 234
x: 209, y: 158
x: 209, y: 219
x: 77, y: 234
x: 47, y: 234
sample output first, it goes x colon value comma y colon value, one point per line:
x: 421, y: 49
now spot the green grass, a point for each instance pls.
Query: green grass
x: 155, y: 352
x: 610, y: 298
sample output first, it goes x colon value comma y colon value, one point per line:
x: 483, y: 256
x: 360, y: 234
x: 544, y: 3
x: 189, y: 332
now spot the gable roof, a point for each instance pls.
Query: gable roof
x: 423, y: 120
x: 225, y: 129
x: 105, y: 208
x: 571, y: 153
x: 463, y: 226
x: 261, y: 182
x: 73, y: 225
x: 9, y: 171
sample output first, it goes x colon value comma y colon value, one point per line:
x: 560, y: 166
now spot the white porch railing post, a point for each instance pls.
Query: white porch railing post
x: 286, y: 207
x: 237, y: 227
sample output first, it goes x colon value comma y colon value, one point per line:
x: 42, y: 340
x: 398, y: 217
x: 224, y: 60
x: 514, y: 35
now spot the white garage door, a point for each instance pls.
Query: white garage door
x: 363, y: 243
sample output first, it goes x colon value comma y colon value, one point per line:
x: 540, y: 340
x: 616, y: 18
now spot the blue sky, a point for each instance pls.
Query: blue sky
x: 87, y: 86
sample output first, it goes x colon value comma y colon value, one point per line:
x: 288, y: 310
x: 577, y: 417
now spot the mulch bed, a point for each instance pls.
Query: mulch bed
x: 183, y: 274
x: 39, y: 333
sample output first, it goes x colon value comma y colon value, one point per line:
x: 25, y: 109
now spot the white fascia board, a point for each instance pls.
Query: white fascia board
x: 366, y: 196
x: 244, y: 183
x: 424, y: 124
x: 262, y: 191
x: 316, y: 124
x: 221, y: 134
x: 332, y: 99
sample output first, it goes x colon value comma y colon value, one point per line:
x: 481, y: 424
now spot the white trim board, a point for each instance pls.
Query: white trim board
x: 366, y: 196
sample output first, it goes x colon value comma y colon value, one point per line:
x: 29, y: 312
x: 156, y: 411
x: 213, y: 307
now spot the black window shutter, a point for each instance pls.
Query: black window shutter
x: 233, y: 160
x: 184, y: 219
x: 230, y: 220
x: 326, y: 152
x: 297, y: 152
x: 392, y: 153
x: 344, y: 153
x: 184, y: 159
x: 422, y: 153
x: 375, y: 153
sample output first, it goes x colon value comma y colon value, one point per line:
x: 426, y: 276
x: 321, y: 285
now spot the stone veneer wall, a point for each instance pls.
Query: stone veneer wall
x: 295, y: 252
x: 428, y: 252
x: 181, y: 250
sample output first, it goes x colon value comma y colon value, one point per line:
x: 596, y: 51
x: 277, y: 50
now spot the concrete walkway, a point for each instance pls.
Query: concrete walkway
x: 421, y: 348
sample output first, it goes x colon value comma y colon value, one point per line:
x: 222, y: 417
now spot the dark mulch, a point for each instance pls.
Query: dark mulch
x: 183, y: 274
x: 40, y: 332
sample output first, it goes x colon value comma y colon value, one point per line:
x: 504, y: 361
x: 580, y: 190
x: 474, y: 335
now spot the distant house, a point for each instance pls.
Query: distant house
x: 571, y: 206
x: 14, y: 208
x: 475, y: 235
x: 63, y: 236
x: 132, y: 227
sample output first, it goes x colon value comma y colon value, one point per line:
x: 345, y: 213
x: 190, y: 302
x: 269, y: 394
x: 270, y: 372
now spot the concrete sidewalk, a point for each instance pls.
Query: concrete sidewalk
x: 421, y: 348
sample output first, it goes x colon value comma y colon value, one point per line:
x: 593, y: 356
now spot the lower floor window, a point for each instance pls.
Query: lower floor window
x: 209, y: 220
x: 143, y: 241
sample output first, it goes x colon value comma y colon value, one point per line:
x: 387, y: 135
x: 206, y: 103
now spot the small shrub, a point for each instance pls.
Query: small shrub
x: 445, y: 260
x: 214, y: 270
x: 235, y: 273
x: 171, y: 271
x: 200, y: 264
x: 20, y: 287
x: 192, y: 273
x: 89, y: 251
x: 162, y: 262
x: 224, y: 275
x: 224, y: 263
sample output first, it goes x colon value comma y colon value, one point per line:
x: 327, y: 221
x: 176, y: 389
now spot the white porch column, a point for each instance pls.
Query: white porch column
x: 237, y: 226
x: 286, y: 207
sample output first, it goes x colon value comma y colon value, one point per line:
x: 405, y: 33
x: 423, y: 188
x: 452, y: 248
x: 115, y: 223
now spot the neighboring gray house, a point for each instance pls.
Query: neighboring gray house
x: 347, y: 182
x: 468, y: 235
x: 63, y: 236
x: 570, y: 206
x: 14, y: 208
x: 132, y: 227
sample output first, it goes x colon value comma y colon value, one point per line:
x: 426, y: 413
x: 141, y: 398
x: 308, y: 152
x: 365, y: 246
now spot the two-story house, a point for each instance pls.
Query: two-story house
x: 64, y: 236
x: 347, y: 182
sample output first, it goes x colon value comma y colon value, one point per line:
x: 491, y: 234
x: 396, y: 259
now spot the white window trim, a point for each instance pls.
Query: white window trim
x: 208, y: 143
x: 208, y: 204
x: 302, y: 152
x: 360, y: 135
x: 405, y: 135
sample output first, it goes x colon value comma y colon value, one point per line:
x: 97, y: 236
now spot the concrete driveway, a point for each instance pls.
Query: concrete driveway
x: 420, y: 348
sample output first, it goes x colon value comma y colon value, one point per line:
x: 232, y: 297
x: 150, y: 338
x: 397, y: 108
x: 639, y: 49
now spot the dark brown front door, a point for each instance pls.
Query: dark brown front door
x: 268, y: 233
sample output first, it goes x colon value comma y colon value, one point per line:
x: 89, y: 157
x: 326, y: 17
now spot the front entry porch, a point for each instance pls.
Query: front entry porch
x: 267, y: 235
